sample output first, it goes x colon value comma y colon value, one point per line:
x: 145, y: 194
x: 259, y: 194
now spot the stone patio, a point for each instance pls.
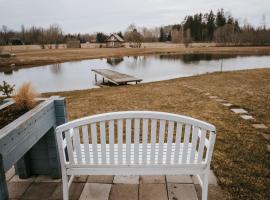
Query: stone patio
x: 182, y: 187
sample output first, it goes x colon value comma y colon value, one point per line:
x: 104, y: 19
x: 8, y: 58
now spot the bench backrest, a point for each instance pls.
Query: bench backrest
x: 136, y: 137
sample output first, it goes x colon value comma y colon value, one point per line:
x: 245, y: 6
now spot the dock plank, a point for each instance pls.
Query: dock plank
x: 116, y: 77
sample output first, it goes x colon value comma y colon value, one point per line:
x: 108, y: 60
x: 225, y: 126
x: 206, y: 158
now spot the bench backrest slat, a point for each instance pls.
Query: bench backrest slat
x: 128, y: 140
x: 94, y: 142
x: 201, y: 145
x: 144, y: 141
x: 161, y: 140
x: 169, y: 141
x: 111, y: 140
x: 186, y: 143
x: 77, y: 146
x: 178, y: 138
x: 69, y: 146
x: 120, y: 140
x: 193, y: 144
x: 136, y: 138
x: 103, y: 142
x: 153, y: 140
x: 86, y: 143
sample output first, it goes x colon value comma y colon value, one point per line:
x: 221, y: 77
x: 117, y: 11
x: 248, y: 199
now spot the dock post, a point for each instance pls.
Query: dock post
x: 103, y: 80
x: 96, y: 77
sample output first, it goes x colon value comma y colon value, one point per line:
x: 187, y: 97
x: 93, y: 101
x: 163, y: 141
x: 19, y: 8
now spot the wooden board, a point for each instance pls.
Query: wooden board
x: 116, y: 77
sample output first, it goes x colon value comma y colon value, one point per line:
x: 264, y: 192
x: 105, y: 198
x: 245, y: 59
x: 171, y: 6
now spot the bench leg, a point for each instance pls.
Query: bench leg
x: 205, y: 186
x: 65, y: 187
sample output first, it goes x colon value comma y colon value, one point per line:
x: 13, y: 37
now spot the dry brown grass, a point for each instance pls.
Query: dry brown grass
x: 240, y: 161
x: 25, y: 97
x: 37, y: 57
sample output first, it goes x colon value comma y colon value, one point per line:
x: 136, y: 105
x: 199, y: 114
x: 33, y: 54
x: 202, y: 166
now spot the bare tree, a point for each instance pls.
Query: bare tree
x: 134, y: 38
x: 187, y: 37
x: 53, y: 35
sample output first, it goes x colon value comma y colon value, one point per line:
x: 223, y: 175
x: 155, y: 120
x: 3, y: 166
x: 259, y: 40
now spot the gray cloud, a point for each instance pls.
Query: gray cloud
x: 109, y: 16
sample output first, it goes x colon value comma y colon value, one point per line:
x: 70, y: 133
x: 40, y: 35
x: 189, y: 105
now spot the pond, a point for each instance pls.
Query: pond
x: 77, y: 75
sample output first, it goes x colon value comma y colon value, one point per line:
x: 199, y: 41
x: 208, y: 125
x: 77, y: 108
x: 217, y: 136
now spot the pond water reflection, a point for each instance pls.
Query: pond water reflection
x: 77, y: 75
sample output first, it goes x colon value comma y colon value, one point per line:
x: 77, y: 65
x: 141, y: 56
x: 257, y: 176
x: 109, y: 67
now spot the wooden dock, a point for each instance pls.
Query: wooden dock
x: 115, y: 77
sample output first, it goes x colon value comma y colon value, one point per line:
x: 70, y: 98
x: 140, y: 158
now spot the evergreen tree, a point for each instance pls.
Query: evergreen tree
x: 101, y: 37
x: 169, y: 38
x: 162, y: 35
x: 120, y: 34
x: 220, y: 19
x: 210, y: 25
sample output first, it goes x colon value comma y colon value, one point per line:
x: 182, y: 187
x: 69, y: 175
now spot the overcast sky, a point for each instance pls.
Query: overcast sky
x: 114, y: 15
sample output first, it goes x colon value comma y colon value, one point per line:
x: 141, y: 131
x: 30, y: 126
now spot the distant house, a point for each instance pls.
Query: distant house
x: 114, y: 41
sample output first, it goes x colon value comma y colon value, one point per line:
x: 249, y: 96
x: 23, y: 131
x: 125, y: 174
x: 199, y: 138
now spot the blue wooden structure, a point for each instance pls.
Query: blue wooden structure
x: 29, y: 142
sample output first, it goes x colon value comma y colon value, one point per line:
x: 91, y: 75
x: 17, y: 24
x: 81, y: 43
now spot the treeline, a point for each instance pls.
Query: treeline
x: 53, y: 35
x: 219, y: 28
x: 202, y: 27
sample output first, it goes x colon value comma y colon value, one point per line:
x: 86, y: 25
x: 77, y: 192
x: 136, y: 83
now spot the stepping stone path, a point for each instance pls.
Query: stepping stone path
x: 259, y: 126
x: 239, y: 110
x: 243, y: 113
x: 266, y: 136
x: 246, y: 117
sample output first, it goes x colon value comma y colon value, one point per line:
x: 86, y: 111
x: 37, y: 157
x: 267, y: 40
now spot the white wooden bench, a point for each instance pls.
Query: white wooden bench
x: 136, y: 143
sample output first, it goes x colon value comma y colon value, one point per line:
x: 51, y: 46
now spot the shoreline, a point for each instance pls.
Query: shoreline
x: 153, y: 82
x: 35, y: 58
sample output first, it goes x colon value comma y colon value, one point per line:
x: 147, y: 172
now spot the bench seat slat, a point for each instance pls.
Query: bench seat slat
x: 140, y: 154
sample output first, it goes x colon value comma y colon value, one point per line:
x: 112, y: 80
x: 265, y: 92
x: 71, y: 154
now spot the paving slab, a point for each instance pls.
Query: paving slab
x: 80, y: 179
x: 46, y: 179
x: 126, y: 179
x: 259, y: 126
x: 124, y: 192
x: 239, y: 110
x: 266, y: 136
x: 182, y: 191
x: 213, y: 97
x: 95, y: 191
x: 75, y: 191
x: 152, y: 179
x: 179, y: 179
x: 17, y: 179
x: 214, y: 192
x: 100, y: 179
x: 211, y: 181
x: 247, y: 117
x: 153, y: 192
x: 227, y: 104
x: 207, y: 94
x: 10, y: 173
x: 17, y: 189
x: 40, y: 191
